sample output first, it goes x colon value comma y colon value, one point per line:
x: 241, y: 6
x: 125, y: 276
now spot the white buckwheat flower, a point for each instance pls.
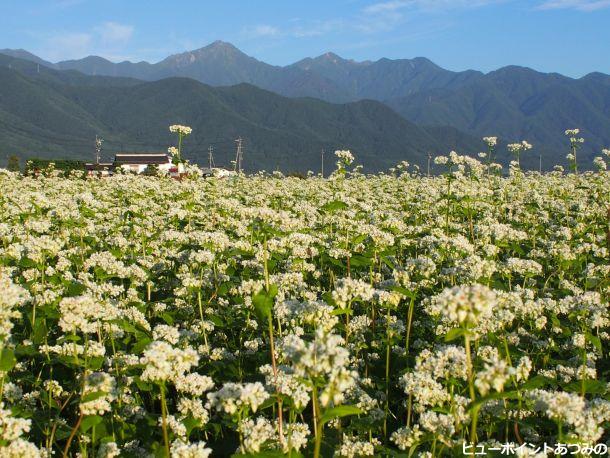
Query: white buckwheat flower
x: 234, y: 396
x: 163, y: 362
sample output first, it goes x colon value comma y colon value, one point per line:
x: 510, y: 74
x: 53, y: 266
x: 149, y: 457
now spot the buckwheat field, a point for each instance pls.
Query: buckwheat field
x: 389, y: 315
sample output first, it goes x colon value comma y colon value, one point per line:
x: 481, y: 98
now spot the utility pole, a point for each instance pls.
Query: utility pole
x: 239, y: 155
x: 540, y: 163
x: 429, y: 159
x: 210, y: 157
x: 98, y: 149
x: 322, y: 162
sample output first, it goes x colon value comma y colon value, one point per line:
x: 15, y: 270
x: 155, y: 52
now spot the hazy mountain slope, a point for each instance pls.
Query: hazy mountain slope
x: 328, y: 77
x: 518, y: 103
x: 94, y: 65
x: 218, y: 64
x: 43, y: 73
x: 64, y: 115
x: 513, y: 102
x: 30, y: 111
x: 25, y: 55
x: 384, y: 79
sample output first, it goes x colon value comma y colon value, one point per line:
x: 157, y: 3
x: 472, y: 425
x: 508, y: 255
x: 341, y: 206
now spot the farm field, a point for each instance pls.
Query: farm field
x: 387, y: 315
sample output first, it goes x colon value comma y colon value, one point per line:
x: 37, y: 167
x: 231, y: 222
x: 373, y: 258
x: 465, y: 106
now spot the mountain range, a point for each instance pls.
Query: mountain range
x: 51, y: 113
x: 514, y: 103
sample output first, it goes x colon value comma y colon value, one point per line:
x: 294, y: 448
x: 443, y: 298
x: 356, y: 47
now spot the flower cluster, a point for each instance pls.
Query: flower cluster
x: 182, y: 130
x: 389, y: 314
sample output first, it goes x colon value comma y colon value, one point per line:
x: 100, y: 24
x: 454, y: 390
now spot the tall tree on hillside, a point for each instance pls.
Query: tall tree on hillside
x: 13, y: 163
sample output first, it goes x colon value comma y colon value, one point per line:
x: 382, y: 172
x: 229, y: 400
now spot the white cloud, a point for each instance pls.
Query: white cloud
x: 263, y: 30
x: 318, y: 28
x: 376, y: 23
x: 108, y: 39
x: 580, y: 5
x: 310, y: 29
x: 383, y: 7
x: 388, y: 15
x: 114, y: 33
x: 395, y: 5
x: 377, y: 17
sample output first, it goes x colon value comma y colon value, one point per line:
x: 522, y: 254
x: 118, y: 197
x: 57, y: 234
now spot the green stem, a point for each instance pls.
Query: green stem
x: 164, y: 419
x: 473, y: 424
x: 318, y: 422
x: 387, y: 376
x: 409, y: 321
x: 179, y: 147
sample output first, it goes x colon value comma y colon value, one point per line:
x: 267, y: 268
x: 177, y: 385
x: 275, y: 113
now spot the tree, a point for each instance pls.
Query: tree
x: 65, y: 166
x: 13, y: 163
x: 151, y: 170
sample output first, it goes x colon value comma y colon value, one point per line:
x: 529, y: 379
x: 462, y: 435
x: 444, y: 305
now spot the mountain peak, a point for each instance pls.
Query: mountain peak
x: 218, y: 46
x: 216, y: 50
x: 25, y: 55
x: 95, y: 59
x: 332, y: 57
x: 221, y: 44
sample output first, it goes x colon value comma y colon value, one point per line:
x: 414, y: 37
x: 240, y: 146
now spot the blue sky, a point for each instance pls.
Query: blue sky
x: 567, y: 36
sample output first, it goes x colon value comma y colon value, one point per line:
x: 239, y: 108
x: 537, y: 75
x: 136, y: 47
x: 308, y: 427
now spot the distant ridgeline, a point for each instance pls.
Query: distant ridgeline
x: 386, y: 111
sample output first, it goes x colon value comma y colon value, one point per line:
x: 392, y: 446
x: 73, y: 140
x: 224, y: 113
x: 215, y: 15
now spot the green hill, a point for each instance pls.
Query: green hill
x: 57, y: 114
x: 513, y: 102
x: 519, y: 103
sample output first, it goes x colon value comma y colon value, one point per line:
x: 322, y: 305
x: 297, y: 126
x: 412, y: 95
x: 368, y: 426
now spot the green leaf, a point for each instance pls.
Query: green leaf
x: 339, y: 412
x: 26, y: 350
x: 160, y: 452
x: 595, y: 341
x: 406, y: 292
x: 273, y: 290
x: 555, y: 321
x: 75, y: 289
x: 336, y: 262
x: 40, y: 331
x: 361, y: 238
x: 345, y: 311
x: 359, y: 261
x: 63, y: 432
x: 216, y: 320
x: 7, y: 359
x: 167, y: 318
x: 93, y: 396
x: 143, y: 386
x: 334, y: 206
x: 455, y: 333
x: 537, y: 382
x: 263, y: 303
x: 96, y: 363
x: 89, y: 422
x: 474, y: 406
x: 126, y: 326
x: 266, y: 454
x: 388, y: 262
x: 191, y: 423
x: 26, y: 263
x: 591, y: 387
x: 140, y: 345
x: 328, y: 298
